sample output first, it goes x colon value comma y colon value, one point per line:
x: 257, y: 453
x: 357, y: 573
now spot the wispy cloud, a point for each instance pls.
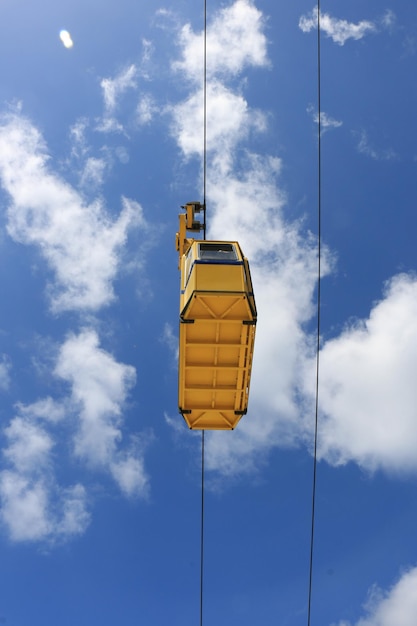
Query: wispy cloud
x: 99, y: 388
x: 93, y: 172
x: 5, y: 367
x: 77, y: 133
x: 145, y: 67
x: 389, y: 19
x: 326, y: 122
x: 409, y: 46
x: 171, y: 340
x: 91, y: 164
x: 80, y: 242
x: 337, y: 29
x: 398, y: 605
x: 116, y: 88
x: 365, y: 147
x: 113, y: 90
x: 146, y: 109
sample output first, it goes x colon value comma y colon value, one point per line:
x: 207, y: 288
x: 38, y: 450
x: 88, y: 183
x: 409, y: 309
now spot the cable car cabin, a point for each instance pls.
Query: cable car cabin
x: 217, y: 333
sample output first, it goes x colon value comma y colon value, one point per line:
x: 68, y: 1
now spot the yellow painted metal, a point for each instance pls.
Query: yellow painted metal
x: 217, y: 334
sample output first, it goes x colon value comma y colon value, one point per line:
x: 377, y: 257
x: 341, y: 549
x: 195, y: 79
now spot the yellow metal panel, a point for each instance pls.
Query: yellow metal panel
x: 215, y: 364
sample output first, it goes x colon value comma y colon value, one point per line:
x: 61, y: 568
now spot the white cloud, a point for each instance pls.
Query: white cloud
x: 366, y: 374
x: 367, y: 388
x: 46, y: 408
x: 284, y: 270
x: 396, y: 607
x: 32, y: 506
x: 368, y: 393
x: 246, y: 204
x: 29, y: 445
x: 229, y: 120
x: 5, y: 367
x: 24, y: 507
x: 235, y: 39
x: 99, y: 388
x: 128, y: 469
x: 339, y: 30
x: 80, y: 242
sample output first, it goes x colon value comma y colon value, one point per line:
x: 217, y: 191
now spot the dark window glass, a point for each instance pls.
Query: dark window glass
x: 217, y: 252
x: 188, y: 263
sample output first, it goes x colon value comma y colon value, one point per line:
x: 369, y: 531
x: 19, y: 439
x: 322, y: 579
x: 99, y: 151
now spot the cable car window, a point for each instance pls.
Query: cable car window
x: 217, y: 252
x: 188, y: 263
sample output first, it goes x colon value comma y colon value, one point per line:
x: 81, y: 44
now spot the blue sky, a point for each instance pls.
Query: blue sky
x: 100, y: 143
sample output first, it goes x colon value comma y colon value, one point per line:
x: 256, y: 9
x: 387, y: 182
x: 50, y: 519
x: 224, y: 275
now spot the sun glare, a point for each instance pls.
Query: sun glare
x: 65, y: 37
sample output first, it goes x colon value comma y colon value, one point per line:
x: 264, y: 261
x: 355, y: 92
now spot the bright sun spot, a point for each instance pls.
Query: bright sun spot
x: 65, y: 37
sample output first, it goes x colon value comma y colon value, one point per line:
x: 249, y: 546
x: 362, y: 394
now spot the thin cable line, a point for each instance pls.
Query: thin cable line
x: 205, y: 117
x: 313, y: 503
x: 204, y: 237
x: 202, y: 530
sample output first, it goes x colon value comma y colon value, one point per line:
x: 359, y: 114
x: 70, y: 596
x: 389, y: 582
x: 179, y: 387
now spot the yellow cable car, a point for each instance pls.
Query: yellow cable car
x: 217, y: 328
